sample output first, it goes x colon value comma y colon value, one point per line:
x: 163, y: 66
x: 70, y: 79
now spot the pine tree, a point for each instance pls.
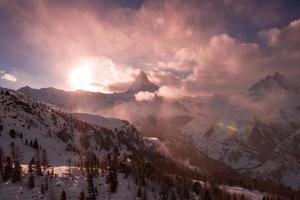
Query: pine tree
x: 243, y: 197
x: 8, y: 169
x: 112, y: 180
x: 35, y: 144
x: 139, y: 193
x: 44, y: 160
x: 17, y: 172
x: 90, y: 190
x: 52, y: 173
x: 96, y: 191
x: 1, y: 163
x: 207, y: 195
x: 82, y: 196
x: 46, y: 183
x: 42, y: 189
x: 144, y: 197
x: 30, y: 165
x: 63, y: 195
x: 38, y: 164
x: 173, y: 195
x: 31, y: 181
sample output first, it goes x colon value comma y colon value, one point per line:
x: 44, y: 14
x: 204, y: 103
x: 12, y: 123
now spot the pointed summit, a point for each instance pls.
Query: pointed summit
x: 142, y: 83
x: 142, y: 77
x: 277, y: 81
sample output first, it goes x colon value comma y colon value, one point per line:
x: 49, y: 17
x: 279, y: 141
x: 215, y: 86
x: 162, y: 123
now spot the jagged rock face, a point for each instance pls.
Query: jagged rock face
x: 275, y: 82
x: 250, y: 138
x: 142, y: 84
x: 91, y: 102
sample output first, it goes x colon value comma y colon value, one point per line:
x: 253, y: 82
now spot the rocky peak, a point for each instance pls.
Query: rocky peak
x: 142, y: 83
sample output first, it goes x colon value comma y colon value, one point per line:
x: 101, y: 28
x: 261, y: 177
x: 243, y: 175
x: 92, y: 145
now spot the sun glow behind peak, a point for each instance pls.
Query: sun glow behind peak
x: 81, y: 78
x: 98, y: 74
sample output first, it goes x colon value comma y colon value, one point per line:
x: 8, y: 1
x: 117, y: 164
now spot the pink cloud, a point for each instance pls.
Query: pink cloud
x: 144, y: 96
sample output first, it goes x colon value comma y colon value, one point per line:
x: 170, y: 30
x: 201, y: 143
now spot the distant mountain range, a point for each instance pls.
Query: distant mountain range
x: 31, y: 126
x: 256, y: 131
x: 90, y: 101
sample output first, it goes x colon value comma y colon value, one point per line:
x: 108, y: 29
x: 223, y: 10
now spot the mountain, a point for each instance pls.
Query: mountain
x: 142, y: 84
x: 92, y: 102
x: 117, y: 160
x: 256, y: 132
x: 274, y: 82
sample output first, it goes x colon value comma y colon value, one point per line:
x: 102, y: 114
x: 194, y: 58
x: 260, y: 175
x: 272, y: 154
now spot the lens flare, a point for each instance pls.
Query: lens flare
x: 234, y: 130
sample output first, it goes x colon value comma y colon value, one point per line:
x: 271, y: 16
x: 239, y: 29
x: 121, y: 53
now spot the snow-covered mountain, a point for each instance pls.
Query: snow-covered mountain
x: 256, y: 131
x: 142, y: 84
x: 92, y: 102
x: 29, y: 127
x: 271, y: 83
x: 24, y: 120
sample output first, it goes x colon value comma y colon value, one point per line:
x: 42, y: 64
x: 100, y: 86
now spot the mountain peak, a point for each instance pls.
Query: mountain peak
x: 142, y: 76
x: 276, y: 81
x: 142, y: 83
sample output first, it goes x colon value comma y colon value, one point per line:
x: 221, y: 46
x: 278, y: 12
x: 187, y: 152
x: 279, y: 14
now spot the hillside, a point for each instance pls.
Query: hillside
x: 111, y: 147
x: 256, y: 132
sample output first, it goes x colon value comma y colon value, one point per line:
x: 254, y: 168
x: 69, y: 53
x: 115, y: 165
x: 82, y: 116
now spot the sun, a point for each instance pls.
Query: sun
x: 80, y: 78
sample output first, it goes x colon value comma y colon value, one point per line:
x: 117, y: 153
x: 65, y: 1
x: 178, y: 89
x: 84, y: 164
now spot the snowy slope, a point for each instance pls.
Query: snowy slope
x: 55, y: 130
x: 61, y: 135
x: 127, y: 188
x: 256, y: 132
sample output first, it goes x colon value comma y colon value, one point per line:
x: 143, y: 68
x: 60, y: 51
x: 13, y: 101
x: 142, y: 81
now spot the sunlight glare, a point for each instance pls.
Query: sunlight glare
x: 80, y: 78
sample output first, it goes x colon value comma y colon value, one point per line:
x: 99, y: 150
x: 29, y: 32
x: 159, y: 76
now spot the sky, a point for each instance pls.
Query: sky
x: 188, y: 47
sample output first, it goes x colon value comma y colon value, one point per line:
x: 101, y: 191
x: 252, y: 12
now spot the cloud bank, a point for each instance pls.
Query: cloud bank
x: 190, y: 47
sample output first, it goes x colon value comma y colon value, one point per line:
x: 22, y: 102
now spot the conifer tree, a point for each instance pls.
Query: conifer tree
x: 8, y: 168
x: 46, y: 183
x: 42, y: 189
x: 139, y: 193
x: 38, y: 164
x: 90, y: 190
x: 17, y: 172
x: 82, y: 196
x: 1, y: 163
x: 31, y: 183
x: 35, y: 144
x: 63, y: 195
x: 30, y: 165
x: 45, y: 161
x: 112, y: 180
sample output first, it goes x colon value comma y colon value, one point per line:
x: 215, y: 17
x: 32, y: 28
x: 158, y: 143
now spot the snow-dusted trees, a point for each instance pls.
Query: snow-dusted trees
x: 30, y: 181
x: 91, y: 164
x: 12, y: 133
x: 63, y: 195
x: 112, y: 180
x: 38, y: 164
x: 1, y: 163
x: 35, y: 144
x: 8, y: 168
x: 82, y: 196
x: 91, y: 195
x: 45, y: 161
x: 16, y: 169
